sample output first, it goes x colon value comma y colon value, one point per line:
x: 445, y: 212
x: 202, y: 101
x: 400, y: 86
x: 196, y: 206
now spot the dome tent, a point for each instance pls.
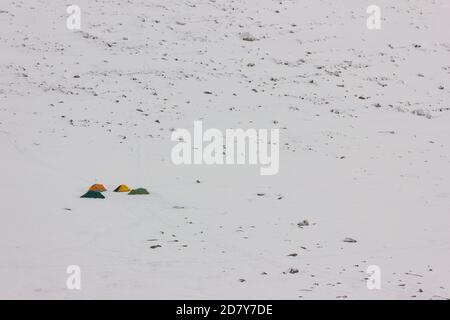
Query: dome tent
x: 122, y: 188
x: 138, y: 191
x: 93, y: 195
x: 97, y: 187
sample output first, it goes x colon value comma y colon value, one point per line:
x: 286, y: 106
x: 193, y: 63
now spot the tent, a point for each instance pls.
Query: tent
x: 97, y: 187
x: 122, y: 188
x: 138, y: 191
x: 93, y: 195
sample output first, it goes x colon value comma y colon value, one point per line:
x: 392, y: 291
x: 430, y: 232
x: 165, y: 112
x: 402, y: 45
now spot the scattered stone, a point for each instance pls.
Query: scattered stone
x: 349, y: 240
x: 413, y: 274
x: 422, y: 113
x: 246, y: 36
x: 303, y: 223
x: 335, y: 111
x: 293, y: 270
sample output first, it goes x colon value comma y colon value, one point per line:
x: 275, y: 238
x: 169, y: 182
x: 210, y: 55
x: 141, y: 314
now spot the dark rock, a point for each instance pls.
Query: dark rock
x: 350, y: 240
x: 303, y: 223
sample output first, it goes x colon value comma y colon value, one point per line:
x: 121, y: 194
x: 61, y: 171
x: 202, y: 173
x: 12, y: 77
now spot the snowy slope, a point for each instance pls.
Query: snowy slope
x: 364, y: 133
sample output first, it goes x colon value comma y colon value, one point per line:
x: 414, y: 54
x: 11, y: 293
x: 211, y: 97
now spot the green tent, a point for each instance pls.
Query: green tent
x: 139, y: 191
x: 93, y: 195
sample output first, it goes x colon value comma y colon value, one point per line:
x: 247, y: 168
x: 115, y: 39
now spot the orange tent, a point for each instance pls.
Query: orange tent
x: 97, y: 187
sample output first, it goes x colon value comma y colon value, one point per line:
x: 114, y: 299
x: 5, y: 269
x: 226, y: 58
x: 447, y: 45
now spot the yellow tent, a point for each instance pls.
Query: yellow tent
x: 122, y: 188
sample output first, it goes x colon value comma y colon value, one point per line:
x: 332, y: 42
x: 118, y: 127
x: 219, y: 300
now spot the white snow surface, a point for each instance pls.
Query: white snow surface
x: 364, y: 149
